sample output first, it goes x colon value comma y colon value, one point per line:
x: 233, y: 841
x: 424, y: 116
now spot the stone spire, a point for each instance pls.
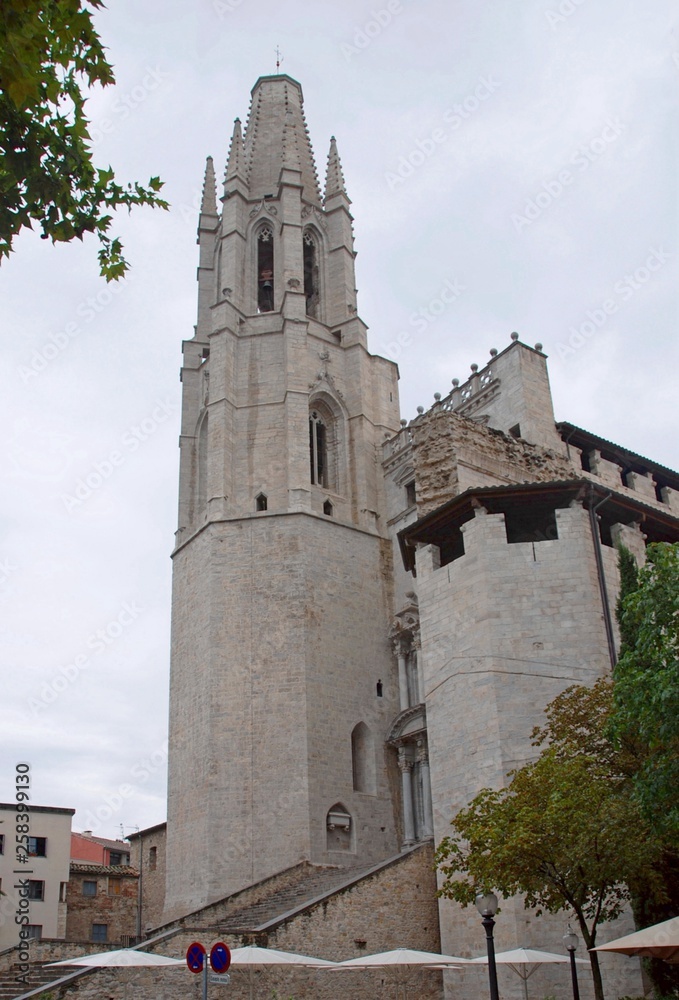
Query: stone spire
x: 235, y: 166
x: 334, y: 178
x: 208, y: 205
x: 276, y: 135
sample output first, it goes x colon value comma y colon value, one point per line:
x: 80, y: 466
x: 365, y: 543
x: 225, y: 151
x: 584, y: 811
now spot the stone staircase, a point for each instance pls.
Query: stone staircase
x: 38, y: 976
x: 316, y: 884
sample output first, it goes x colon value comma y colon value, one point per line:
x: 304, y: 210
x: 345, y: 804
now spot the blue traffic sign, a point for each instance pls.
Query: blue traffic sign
x: 220, y: 957
x: 195, y: 957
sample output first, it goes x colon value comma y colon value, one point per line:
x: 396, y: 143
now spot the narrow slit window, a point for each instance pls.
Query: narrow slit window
x: 318, y: 450
x: 265, y: 287
x: 310, y: 274
x: 261, y: 501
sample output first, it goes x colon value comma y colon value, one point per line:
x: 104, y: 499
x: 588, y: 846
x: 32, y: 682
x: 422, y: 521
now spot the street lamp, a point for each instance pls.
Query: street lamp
x: 486, y: 904
x: 570, y: 940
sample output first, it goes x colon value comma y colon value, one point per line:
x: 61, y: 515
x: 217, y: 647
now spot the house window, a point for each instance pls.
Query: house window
x: 37, y: 847
x: 119, y: 858
x: 63, y: 891
x: 411, y: 499
x: 265, y: 288
x: 100, y: 932
x: 310, y: 274
x: 318, y: 449
x: 89, y: 888
x: 36, y: 889
x: 115, y: 886
x: 34, y: 932
x: 153, y: 858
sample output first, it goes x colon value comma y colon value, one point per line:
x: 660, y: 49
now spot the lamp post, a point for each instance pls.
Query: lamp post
x: 570, y: 940
x: 486, y: 904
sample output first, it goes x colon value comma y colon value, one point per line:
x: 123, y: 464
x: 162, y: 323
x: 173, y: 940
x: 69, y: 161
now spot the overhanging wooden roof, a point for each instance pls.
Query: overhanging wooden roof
x: 433, y: 529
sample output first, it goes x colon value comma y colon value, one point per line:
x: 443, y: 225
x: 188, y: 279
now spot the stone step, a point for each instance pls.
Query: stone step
x: 37, y: 976
x: 315, y: 884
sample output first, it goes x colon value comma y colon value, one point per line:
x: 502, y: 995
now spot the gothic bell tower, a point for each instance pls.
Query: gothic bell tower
x: 282, y: 685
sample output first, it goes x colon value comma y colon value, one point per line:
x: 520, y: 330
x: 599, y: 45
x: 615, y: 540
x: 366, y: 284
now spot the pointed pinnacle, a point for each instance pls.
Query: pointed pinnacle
x: 334, y: 178
x: 208, y: 205
x: 235, y: 166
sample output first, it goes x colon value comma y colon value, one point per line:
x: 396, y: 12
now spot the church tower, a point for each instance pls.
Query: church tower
x: 282, y: 680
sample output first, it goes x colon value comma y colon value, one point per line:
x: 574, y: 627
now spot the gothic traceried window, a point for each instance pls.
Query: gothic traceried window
x: 311, y: 289
x: 265, y: 269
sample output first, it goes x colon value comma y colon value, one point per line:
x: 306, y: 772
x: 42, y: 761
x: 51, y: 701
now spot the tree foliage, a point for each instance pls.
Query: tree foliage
x: 50, y: 54
x: 646, y: 689
x: 567, y: 832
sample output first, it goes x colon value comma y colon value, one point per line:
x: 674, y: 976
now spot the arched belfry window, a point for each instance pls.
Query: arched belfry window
x: 318, y: 448
x: 311, y: 283
x: 265, y: 269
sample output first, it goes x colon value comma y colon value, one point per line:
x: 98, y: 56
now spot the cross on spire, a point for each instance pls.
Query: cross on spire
x: 279, y: 59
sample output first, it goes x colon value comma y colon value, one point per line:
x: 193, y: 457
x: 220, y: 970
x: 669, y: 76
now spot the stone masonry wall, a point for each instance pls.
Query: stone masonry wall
x: 394, y: 908
x: 452, y: 453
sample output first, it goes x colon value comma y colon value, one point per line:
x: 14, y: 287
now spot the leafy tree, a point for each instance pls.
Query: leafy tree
x: 646, y: 691
x: 50, y: 54
x: 566, y: 833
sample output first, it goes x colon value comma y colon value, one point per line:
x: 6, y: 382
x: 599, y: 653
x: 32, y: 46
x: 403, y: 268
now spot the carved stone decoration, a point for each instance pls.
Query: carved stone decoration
x: 294, y: 283
x: 322, y: 377
x: 263, y: 205
x: 310, y: 211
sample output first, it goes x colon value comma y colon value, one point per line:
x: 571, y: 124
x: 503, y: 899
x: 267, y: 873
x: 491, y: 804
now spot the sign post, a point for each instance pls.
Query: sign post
x: 220, y: 960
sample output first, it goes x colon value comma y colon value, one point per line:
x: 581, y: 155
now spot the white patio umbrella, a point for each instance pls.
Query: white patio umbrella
x: 659, y: 941
x: 122, y: 958
x: 519, y: 959
x: 407, y: 959
x: 253, y: 957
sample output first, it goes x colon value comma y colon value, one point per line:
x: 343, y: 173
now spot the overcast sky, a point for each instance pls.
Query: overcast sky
x: 520, y: 151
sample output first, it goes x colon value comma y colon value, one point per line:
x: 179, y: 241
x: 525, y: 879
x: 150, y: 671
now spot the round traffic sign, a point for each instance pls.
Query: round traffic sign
x: 195, y: 956
x: 220, y: 957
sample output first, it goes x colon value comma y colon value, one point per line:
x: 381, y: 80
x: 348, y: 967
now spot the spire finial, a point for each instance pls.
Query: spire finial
x: 208, y: 205
x: 334, y: 178
x: 279, y: 59
x: 235, y: 165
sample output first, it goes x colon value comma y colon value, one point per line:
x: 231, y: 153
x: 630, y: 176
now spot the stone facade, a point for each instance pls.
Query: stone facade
x: 101, y: 902
x: 149, y: 858
x: 369, y: 615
